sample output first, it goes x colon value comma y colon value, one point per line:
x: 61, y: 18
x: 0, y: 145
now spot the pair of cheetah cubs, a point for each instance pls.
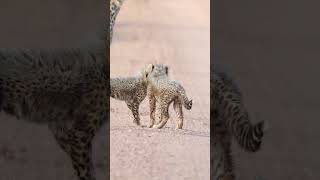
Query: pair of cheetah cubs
x: 154, y: 82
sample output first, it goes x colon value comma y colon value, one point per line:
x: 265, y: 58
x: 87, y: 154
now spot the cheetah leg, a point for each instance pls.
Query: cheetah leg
x: 82, y: 161
x: 158, y: 116
x: 79, y: 150
x: 227, y: 158
x: 152, y: 105
x: 222, y: 161
x: 177, y: 106
x: 164, y: 116
x: 216, y: 160
x: 134, y: 107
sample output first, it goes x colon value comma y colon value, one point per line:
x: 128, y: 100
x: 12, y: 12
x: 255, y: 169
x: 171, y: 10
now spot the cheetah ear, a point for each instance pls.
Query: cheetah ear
x: 146, y: 73
x: 167, y: 69
x: 150, y: 67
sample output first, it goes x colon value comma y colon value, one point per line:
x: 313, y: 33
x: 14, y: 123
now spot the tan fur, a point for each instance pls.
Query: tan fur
x: 162, y: 90
x: 131, y: 90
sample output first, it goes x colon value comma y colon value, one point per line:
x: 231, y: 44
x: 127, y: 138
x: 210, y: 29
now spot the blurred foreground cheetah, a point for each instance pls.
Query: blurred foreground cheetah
x: 230, y: 119
x: 67, y: 89
x: 132, y: 90
x: 165, y: 91
x: 115, y: 6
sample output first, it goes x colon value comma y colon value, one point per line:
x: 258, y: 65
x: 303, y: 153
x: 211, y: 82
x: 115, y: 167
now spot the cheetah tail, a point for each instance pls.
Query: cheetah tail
x: 249, y: 137
x: 186, y: 102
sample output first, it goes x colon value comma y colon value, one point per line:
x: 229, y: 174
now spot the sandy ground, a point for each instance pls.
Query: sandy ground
x: 272, y: 51
x: 176, y: 33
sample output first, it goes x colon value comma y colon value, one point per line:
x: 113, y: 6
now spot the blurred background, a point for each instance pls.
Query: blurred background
x: 28, y: 151
x: 271, y: 48
x: 51, y: 23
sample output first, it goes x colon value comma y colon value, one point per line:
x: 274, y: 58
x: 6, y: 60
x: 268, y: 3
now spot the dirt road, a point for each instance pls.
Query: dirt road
x: 176, y: 33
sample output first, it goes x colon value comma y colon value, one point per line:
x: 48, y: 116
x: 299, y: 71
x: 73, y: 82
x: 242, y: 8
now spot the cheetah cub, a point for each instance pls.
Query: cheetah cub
x: 131, y: 90
x: 162, y: 90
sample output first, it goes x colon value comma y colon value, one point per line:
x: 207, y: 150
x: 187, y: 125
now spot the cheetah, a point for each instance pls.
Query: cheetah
x: 132, y: 90
x: 164, y: 91
x: 115, y: 6
x: 230, y: 119
x: 65, y: 89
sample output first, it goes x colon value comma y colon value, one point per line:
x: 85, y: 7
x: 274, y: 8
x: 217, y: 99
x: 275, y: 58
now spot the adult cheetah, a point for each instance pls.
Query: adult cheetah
x: 67, y: 89
x: 230, y: 119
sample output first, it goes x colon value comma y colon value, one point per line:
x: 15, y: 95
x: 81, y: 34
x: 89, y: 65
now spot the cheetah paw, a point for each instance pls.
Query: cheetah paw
x: 156, y: 127
x: 137, y: 123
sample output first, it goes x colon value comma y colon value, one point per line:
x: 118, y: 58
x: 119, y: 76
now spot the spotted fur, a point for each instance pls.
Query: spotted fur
x: 115, y: 6
x: 132, y: 90
x: 162, y: 90
x: 64, y: 89
x: 230, y: 119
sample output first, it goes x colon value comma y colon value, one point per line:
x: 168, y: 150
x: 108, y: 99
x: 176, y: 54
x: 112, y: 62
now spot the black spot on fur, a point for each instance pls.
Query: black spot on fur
x: 84, y: 139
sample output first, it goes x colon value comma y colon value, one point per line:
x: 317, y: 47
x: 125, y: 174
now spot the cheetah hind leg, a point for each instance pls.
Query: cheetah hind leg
x: 177, y: 106
x: 134, y: 107
x: 80, y: 154
x: 164, y: 116
x: 158, y: 115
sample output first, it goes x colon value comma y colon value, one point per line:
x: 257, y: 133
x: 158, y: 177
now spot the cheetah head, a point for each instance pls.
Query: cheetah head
x: 155, y: 71
x: 146, y: 71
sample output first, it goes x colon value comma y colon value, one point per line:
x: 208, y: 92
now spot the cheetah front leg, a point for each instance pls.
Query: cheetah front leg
x: 152, y: 105
x: 221, y: 161
x: 177, y: 106
x: 79, y: 150
x: 81, y: 155
x: 228, y: 162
